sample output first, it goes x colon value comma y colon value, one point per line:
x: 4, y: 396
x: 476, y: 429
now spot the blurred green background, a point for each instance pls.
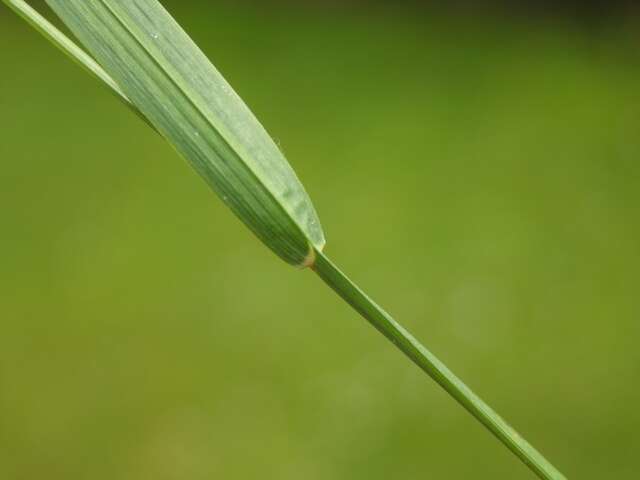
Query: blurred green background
x: 478, y: 173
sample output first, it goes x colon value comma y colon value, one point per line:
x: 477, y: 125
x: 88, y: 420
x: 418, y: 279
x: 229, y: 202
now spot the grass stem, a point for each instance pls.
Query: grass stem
x: 428, y: 362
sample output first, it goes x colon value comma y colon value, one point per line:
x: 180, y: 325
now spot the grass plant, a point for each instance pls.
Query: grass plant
x: 145, y: 58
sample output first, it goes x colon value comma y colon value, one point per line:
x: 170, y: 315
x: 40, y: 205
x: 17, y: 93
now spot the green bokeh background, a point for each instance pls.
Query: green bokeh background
x: 478, y: 174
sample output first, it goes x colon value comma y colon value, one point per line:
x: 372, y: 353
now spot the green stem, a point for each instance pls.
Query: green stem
x: 422, y: 357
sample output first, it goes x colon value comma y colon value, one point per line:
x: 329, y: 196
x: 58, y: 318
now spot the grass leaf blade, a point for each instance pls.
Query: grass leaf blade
x: 157, y: 70
x: 67, y: 46
x: 174, y: 85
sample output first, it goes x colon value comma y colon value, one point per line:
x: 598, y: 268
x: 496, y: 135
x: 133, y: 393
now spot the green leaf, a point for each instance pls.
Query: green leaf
x: 67, y: 46
x: 175, y: 86
x: 158, y: 70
